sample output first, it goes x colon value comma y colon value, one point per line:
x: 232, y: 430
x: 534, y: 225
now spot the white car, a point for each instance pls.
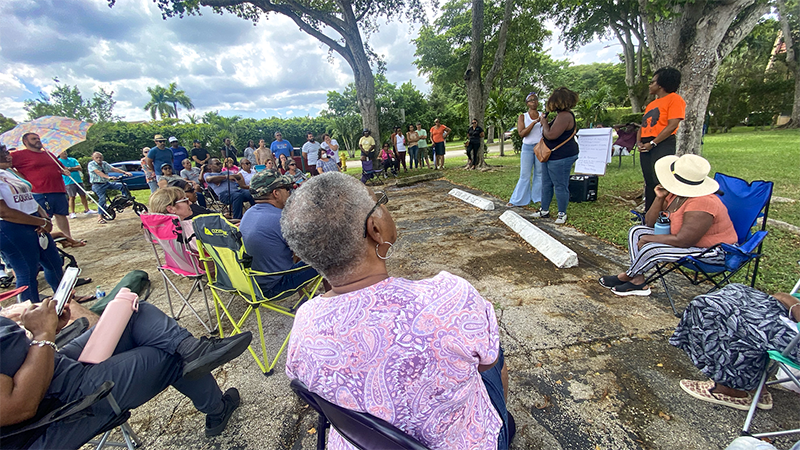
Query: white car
x: 507, y: 134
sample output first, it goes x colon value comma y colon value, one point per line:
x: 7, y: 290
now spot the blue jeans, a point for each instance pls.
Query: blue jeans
x: 144, y: 363
x: 413, y: 155
x: 236, y: 199
x: 153, y: 185
x: 19, y: 245
x: 529, y: 186
x: 101, y: 188
x: 494, y: 387
x: 555, y: 176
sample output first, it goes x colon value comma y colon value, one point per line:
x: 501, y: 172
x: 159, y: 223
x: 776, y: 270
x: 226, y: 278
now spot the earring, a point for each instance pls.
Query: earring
x: 388, y: 252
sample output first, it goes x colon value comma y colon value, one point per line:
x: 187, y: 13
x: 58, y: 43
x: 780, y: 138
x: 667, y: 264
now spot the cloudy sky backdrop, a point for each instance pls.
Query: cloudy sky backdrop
x: 222, y: 62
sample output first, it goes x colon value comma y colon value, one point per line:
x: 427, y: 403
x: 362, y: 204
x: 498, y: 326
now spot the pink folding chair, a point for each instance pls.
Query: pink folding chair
x: 172, y: 236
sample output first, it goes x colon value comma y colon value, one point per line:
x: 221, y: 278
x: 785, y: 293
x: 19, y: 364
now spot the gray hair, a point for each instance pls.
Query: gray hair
x: 323, y: 223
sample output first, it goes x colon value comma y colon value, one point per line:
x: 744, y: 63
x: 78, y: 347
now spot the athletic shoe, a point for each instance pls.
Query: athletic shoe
x: 610, y: 281
x: 561, y: 219
x: 629, y: 288
x: 541, y: 214
x: 216, y: 423
x: 72, y: 215
x: 702, y: 390
x: 212, y: 353
x: 91, y: 211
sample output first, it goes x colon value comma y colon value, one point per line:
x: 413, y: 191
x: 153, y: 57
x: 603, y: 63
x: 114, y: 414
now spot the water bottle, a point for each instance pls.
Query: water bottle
x: 109, y: 328
x: 662, y: 225
x: 99, y: 293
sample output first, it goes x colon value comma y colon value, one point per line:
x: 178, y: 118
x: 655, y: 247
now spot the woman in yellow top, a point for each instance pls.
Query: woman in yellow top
x: 656, y: 138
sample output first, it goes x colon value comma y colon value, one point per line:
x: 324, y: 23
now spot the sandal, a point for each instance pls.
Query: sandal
x: 610, y: 281
x: 102, y: 221
x: 628, y: 288
x: 83, y: 298
x: 82, y: 281
x: 704, y: 390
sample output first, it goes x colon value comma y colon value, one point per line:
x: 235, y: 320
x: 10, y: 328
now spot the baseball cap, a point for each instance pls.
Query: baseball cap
x: 266, y: 181
x: 197, y: 141
x: 165, y: 164
x: 173, y: 139
x: 158, y: 137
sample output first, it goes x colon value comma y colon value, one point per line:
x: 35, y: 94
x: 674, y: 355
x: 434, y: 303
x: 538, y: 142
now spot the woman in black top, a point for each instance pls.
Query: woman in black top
x: 555, y: 171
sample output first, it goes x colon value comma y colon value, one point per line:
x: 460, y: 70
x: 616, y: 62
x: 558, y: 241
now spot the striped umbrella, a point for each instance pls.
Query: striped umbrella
x: 57, y: 133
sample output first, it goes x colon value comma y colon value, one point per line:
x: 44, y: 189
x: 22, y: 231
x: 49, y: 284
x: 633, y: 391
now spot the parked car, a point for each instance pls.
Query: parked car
x: 507, y: 134
x: 136, y: 180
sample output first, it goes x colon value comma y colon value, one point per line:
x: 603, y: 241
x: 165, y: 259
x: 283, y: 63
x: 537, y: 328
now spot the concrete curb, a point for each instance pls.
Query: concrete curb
x: 408, y: 181
x: 482, y: 203
x: 558, y: 253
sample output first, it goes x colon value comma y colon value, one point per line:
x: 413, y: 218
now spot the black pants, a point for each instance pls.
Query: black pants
x: 648, y: 161
x: 473, y: 147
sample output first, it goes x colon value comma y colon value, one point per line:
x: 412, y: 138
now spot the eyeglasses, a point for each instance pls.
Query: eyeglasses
x: 245, y: 163
x: 292, y: 165
x: 382, y: 200
x: 184, y: 199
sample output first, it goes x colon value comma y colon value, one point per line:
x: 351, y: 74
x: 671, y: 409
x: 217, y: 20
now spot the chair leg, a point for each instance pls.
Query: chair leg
x: 322, y: 427
x: 669, y: 296
x: 756, y: 397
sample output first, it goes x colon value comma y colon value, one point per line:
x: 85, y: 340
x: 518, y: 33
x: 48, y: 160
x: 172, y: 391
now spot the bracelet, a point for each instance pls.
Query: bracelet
x: 46, y: 221
x: 790, y: 310
x: 43, y: 343
x: 653, y: 143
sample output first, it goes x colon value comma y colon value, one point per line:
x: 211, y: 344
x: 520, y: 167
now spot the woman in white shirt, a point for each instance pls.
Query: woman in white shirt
x: 25, y: 241
x: 529, y: 186
x: 247, y: 170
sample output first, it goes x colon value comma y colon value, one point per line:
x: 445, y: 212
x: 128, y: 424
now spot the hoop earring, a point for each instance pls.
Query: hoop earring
x: 388, y: 252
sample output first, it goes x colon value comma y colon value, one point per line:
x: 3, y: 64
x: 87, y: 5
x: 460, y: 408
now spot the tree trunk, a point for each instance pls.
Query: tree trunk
x: 791, y: 61
x: 365, y: 95
x: 694, y: 38
x: 490, y: 134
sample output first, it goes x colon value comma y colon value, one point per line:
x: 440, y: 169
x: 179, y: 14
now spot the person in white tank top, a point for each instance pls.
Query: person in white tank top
x: 529, y: 127
x: 399, y: 141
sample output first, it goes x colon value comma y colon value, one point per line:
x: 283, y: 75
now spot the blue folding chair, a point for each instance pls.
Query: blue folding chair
x: 746, y: 203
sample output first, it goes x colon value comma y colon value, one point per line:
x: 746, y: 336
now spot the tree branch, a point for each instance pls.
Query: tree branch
x: 783, y: 16
x: 499, y: 55
x: 741, y: 28
x: 363, y: 13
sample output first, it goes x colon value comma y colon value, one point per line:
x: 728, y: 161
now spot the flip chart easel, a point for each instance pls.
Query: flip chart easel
x: 595, y: 151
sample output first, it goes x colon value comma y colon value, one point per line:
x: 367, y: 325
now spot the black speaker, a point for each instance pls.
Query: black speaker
x: 583, y: 188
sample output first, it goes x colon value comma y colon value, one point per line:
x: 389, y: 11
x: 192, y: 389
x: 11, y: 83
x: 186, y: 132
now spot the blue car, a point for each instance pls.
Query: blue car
x: 137, y: 179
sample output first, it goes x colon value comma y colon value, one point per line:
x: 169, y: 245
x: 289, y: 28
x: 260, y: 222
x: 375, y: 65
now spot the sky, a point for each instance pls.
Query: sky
x: 222, y: 62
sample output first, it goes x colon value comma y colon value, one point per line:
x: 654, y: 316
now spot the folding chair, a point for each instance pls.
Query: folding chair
x: 166, y: 231
x: 371, y: 172
x: 361, y: 429
x: 746, y: 203
x: 228, y: 269
x: 777, y: 360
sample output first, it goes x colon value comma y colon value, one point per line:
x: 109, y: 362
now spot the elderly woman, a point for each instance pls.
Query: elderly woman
x: 25, y: 241
x: 698, y: 218
x: 424, y: 355
x: 727, y: 334
x: 171, y: 200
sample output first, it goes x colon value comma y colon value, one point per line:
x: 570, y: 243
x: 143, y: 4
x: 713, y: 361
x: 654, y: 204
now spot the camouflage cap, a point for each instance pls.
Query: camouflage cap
x: 266, y: 181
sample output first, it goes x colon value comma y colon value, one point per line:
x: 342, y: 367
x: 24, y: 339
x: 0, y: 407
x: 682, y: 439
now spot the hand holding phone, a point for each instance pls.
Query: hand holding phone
x: 65, y: 287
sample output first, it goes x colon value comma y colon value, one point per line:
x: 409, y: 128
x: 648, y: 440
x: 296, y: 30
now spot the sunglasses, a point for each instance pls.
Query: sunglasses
x: 382, y: 200
x: 184, y: 199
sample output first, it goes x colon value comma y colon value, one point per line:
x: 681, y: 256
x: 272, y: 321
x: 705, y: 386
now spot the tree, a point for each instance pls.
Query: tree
x: 500, y: 113
x: 67, y: 101
x: 694, y: 36
x: 337, y: 24
x: 789, y: 15
x: 6, y: 123
x: 160, y: 103
x: 178, y: 97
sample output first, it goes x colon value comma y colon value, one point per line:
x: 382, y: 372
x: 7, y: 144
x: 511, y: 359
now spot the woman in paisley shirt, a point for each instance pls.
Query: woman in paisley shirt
x: 423, y: 355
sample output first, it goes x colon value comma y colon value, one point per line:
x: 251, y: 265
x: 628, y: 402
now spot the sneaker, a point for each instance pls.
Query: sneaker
x: 629, y: 288
x: 216, y: 423
x: 561, y: 219
x: 91, y: 211
x: 541, y: 214
x: 765, y: 402
x: 212, y: 353
x: 72, y: 215
x: 702, y: 390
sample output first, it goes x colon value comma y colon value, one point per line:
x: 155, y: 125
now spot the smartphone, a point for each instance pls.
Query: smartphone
x: 65, y: 287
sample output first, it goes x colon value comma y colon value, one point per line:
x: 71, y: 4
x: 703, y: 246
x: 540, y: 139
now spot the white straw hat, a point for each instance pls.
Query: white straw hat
x: 686, y: 176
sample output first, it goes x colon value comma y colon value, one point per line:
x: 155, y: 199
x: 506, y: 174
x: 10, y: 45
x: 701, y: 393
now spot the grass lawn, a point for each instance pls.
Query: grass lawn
x: 772, y: 155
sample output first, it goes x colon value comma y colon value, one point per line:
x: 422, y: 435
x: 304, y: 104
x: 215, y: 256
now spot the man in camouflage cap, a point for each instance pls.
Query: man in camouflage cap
x: 261, y: 233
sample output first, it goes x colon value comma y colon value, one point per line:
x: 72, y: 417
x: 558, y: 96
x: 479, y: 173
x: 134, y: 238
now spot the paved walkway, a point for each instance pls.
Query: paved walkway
x: 588, y: 370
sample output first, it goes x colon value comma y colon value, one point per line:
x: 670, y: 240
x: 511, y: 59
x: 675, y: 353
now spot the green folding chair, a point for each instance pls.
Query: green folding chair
x: 227, y: 266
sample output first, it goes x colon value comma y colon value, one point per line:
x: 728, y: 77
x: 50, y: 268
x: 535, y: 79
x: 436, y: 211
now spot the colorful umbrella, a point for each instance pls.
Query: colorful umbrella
x: 57, y: 133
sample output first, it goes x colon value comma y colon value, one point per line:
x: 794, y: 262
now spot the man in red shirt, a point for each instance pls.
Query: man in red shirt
x: 44, y: 173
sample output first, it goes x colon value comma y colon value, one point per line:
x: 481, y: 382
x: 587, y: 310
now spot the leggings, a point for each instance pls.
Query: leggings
x: 401, y: 159
x: 648, y: 161
x: 472, y: 151
x: 653, y: 253
x: 19, y: 245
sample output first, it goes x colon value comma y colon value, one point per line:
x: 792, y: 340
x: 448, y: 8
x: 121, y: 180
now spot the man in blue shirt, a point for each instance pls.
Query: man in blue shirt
x: 261, y: 233
x: 229, y: 187
x: 279, y: 145
x: 159, y: 155
x: 179, y: 153
x: 71, y: 182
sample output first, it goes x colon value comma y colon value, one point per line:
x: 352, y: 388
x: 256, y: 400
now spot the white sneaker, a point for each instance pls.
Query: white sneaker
x: 541, y: 214
x: 91, y: 211
x: 561, y: 219
x: 72, y: 215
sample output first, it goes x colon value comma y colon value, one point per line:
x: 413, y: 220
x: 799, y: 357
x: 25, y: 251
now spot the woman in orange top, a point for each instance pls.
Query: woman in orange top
x: 438, y: 134
x: 656, y: 138
x: 698, y: 218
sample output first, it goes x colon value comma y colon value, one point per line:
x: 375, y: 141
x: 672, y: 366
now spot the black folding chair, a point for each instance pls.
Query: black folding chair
x: 363, y: 430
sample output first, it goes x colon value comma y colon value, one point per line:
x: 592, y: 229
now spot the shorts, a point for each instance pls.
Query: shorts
x: 438, y: 148
x: 73, y: 190
x: 54, y: 203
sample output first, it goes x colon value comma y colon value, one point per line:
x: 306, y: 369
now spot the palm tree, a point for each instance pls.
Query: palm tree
x: 159, y: 102
x: 178, y: 97
x: 499, y: 113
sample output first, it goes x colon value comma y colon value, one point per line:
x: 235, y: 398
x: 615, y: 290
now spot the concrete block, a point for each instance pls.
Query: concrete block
x: 558, y: 253
x: 482, y: 203
x: 408, y: 181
